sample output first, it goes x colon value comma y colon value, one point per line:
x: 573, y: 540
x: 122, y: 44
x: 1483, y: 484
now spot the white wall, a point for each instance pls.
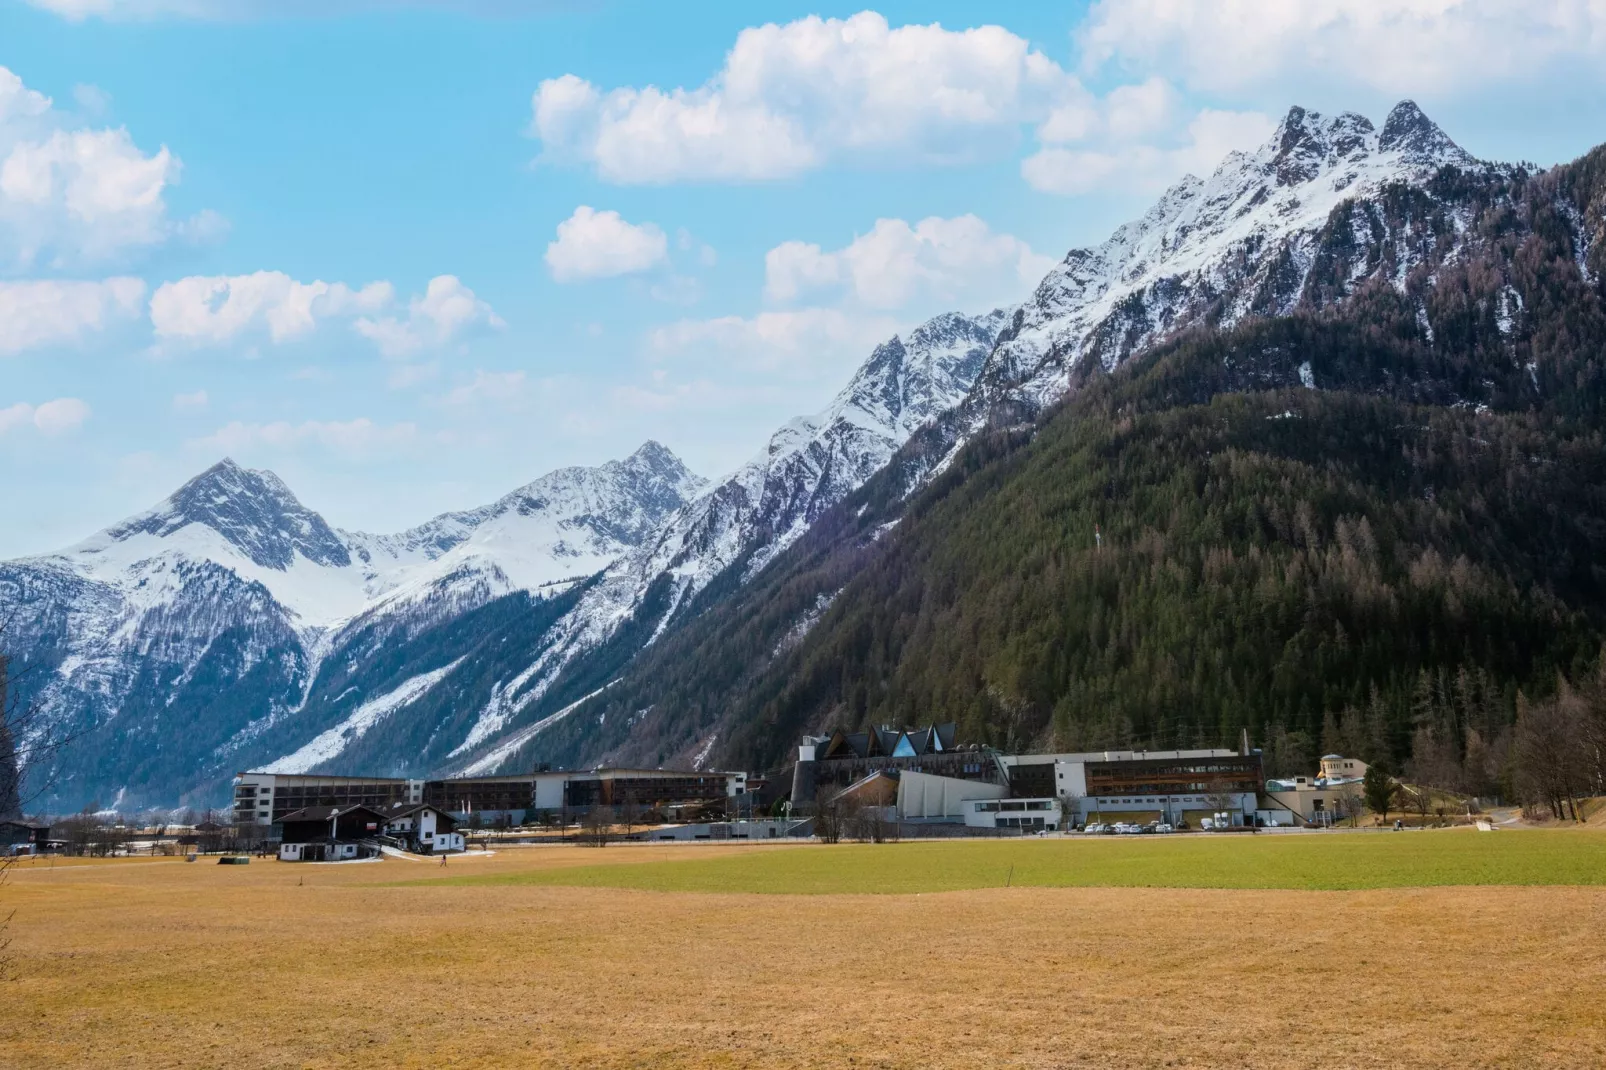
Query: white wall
x: 925, y: 796
x: 979, y: 815
x: 1070, y: 778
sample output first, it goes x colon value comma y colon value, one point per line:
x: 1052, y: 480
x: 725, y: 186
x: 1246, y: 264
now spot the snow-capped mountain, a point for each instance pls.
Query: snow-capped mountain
x: 197, y: 632
x: 744, y: 520
x: 809, y: 464
x: 1211, y: 251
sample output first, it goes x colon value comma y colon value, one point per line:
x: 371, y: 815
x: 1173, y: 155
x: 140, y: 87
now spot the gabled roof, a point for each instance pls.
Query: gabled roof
x: 324, y: 813
x: 397, y: 811
x: 885, y: 741
x: 888, y: 742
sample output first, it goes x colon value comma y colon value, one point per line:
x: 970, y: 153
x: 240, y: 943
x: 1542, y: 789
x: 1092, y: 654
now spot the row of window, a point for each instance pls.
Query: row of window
x: 1015, y: 805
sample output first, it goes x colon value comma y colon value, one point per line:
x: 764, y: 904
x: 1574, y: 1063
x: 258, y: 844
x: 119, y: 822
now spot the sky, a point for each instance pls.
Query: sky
x: 412, y: 254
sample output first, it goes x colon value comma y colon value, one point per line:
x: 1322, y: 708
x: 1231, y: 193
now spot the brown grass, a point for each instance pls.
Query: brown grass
x: 167, y: 964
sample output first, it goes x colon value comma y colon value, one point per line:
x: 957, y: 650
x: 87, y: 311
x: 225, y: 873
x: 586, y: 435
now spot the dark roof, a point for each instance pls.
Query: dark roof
x: 883, y: 742
x: 29, y: 825
x: 324, y: 813
x: 397, y: 811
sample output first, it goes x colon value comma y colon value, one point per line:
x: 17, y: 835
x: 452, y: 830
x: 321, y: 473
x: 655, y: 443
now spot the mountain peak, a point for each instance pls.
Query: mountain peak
x: 1409, y: 131
x: 254, y: 510
x: 658, y: 463
x: 655, y: 454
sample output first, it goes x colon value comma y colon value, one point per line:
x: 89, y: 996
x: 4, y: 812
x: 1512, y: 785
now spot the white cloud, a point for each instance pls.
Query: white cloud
x: 50, y: 312
x: 1405, y: 46
x: 17, y: 101
x: 936, y: 260
x: 350, y: 437
x: 1146, y: 168
x: 75, y: 195
x: 445, y: 312
x: 219, y: 308
x: 804, y: 344
x: 191, y: 401
x: 792, y: 96
x: 598, y: 245
x: 499, y: 388
x: 51, y: 418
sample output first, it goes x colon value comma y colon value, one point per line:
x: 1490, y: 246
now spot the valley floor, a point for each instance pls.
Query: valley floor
x: 162, y: 963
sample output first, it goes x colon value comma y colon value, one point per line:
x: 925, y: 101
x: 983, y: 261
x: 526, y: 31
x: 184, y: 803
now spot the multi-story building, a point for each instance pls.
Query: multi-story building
x: 948, y: 781
x: 1170, y: 785
x: 265, y: 798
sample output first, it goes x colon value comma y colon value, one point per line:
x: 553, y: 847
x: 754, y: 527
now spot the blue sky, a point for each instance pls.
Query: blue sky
x: 413, y: 255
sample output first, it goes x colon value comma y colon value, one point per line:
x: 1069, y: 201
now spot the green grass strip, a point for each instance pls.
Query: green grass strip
x: 1328, y: 861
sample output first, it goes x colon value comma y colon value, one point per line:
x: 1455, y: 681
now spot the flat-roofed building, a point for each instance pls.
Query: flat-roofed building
x: 263, y: 798
x: 1170, y: 785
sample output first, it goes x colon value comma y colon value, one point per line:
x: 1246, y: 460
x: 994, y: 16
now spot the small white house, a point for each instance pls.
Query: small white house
x: 444, y: 842
x: 427, y: 829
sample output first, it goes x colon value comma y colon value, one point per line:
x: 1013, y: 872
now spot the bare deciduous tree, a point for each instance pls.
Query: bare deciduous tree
x: 596, y: 829
x: 1551, y: 755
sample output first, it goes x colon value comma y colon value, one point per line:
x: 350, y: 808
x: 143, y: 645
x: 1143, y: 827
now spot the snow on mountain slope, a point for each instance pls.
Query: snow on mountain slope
x: 331, y: 742
x: 1215, y: 250
x: 744, y: 520
x: 223, y: 600
x: 566, y: 525
x: 1260, y: 236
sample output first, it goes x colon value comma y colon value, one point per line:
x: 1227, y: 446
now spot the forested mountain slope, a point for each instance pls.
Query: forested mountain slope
x: 1306, y: 520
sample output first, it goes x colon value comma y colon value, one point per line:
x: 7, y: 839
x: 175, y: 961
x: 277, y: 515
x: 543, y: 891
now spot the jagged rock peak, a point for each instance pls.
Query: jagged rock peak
x: 254, y: 510
x: 654, y: 458
x: 1408, y: 130
x: 1307, y: 144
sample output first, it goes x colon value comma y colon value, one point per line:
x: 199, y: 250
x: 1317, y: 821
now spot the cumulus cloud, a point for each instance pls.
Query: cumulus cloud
x: 805, y: 343
x: 48, y: 312
x: 446, y: 311
x: 351, y: 437
x: 219, y: 308
x: 1209, y: 136
x: 1398, y: 46
x: 597, y: 245
x: 790, y: 97
x: 187, y: 402
x: 71, y: 195
x: 941, y: 260
x: 51, y: 418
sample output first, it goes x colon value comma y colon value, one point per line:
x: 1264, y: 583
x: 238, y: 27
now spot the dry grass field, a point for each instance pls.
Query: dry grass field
x: 167, y: 964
